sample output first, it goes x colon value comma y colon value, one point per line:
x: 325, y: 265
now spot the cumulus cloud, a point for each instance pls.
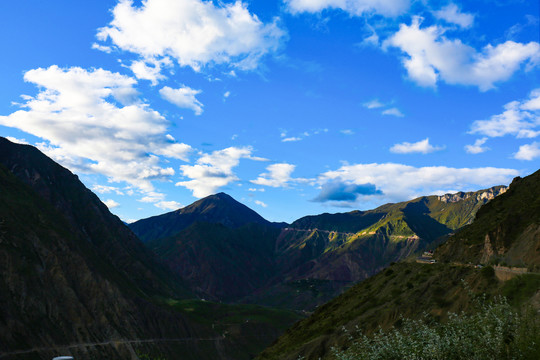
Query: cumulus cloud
x: 260, y: 203
x: 183, y: 97
x: 194, y: 33
x: 393, y: 111
x: 346, y: 192
x: 477, y: 147
x: 93, y: 122
x: 399, y: 182
x: 528, y: 152
x: 353, y: 7
x: 168, y: 205
x: 422, y: 146
x: 103, y: 189
x: 278, y: 175
x: 149, y: 70
x: 431, y: 57
x: 452, y: 14
x: 111, y: 204
x: 215, y: 170
x: 519, y: 118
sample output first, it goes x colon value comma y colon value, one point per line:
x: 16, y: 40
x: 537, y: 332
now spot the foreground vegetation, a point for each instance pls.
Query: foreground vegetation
x: 496, y: 331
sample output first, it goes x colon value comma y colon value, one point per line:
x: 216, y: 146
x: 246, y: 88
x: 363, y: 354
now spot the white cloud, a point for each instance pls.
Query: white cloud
x: 400, y: 182
x: 520, y: 119
x: 353, y: 7
x: 347, y: 132
x: 422, y: 146
x: 93, y: 122
x: 376, y: 104
x: 152, y: 197
x: 149, y: 70
x: 393, y: 111
x: 533, y: 103
x: 111, y: 204
x: 278, y: 175
x: 17, y: 141
x: 477, y: 147
x: 183, y: 97
x: 431, y: 57
x: 195, y: 33
x: 168, y: 205
x: 260, y: 203
x: 528, y: 152
x: 452, y: 14
x: 213, y: 171
x: 254, y: 189
x: 373, y: 104
x: 103, y: 189
x: 291, y: 139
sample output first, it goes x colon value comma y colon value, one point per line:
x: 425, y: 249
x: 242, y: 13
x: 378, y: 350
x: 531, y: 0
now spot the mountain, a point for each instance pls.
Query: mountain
x: 216, y: 209
x: 222, y: 263
x: 228, y: 252
x: 74, y: 280
x: 222, y: 248
x: 333, y: 251
x: 505, y: 230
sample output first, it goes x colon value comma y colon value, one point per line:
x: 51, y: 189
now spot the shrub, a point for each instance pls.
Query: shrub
x: 496, y: 331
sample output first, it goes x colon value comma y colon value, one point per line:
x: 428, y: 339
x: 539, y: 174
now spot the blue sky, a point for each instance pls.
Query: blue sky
x: 293, y: 107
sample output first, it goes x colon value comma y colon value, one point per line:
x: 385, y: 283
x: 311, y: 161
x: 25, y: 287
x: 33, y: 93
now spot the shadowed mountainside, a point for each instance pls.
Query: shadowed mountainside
x: 74, y: 280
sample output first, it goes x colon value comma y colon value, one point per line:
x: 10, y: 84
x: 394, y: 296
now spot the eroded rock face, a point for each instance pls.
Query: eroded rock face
x: 485, y: 195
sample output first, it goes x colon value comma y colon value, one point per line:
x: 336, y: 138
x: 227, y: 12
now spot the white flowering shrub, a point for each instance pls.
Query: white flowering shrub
x: 495, y: 331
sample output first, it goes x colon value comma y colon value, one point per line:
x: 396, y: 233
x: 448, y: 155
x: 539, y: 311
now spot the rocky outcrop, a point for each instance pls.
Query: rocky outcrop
x: 483, y: 195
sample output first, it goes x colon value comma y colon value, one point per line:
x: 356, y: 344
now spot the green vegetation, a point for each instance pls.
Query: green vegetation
x: 520, y: 288
x: 496, y: 331
x: 224, y: 315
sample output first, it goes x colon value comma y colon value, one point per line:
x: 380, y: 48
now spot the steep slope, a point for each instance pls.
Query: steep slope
x: 346, y: 248
x: 222, y: 248
x: 74, y: 280
x: 409, y: 289
x: 506, y: 230
x: 223, y: 263
x: 216, y: 209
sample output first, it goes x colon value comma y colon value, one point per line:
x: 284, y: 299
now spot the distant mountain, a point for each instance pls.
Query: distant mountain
x: 505, y: 231
x: 228, y: 252
x: 74, y: 280
x: 349, y: 247
x: 215, y: 209
x: 221, y: 247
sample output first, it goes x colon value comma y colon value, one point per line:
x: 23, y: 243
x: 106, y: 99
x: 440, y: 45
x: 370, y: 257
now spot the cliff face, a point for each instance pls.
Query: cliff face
x: 488, y: 194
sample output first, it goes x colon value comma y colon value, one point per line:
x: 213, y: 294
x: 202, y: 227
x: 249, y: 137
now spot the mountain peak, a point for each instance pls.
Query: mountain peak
x: 219, y: 208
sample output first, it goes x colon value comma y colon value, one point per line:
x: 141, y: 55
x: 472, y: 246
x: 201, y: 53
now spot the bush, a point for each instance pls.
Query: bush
x: 496, y: 331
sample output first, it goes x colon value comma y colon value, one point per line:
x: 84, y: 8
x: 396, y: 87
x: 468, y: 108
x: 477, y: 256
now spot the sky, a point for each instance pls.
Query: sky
x: 293, y: 107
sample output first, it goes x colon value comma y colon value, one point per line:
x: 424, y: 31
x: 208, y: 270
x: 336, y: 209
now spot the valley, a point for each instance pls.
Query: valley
x: 215, y: 280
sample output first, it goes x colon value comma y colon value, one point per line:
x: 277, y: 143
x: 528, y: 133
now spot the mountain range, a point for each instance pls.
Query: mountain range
x: 215, y: 280
x: 497, y: 254
x: 227, y: 252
